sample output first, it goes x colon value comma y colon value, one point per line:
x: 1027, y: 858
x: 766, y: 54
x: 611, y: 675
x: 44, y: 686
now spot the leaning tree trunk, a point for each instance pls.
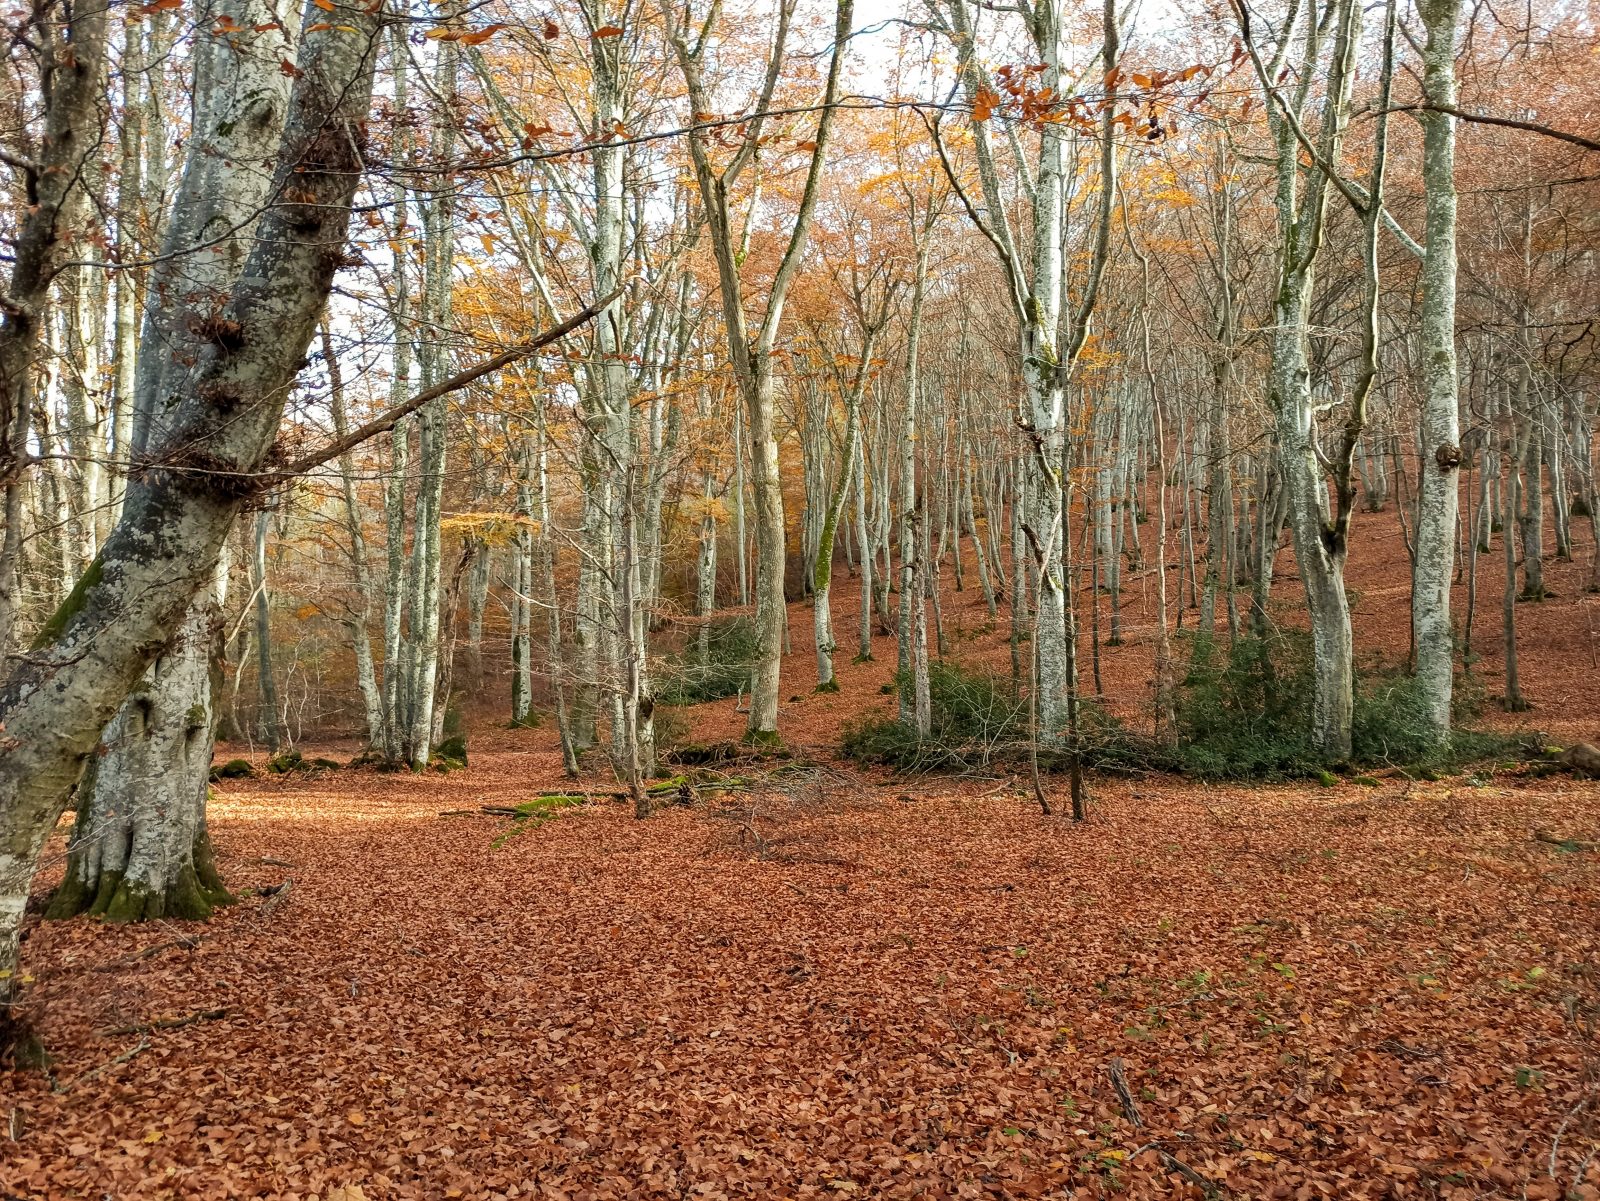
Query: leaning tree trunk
x: 139, y: 850
x: 220, y: 422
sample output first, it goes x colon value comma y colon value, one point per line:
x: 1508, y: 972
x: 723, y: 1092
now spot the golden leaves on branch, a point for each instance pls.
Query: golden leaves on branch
x: 467, y: 37
x: 1017, y: 97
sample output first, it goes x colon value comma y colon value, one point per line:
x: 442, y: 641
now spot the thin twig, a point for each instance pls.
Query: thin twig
x: 199, y: 1015
x: 1119, y: 1081
x: 142, y: 1046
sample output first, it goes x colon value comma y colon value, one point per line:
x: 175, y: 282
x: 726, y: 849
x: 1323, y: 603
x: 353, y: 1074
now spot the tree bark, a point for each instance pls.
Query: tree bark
x: 139, y: 850
x: 1440, y: 498
x: 220, y: 422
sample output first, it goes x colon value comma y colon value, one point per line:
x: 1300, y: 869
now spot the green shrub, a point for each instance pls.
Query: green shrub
x: 731, y: 654
x: 974, y: 715
x: 1246, y: 714
x: 1243, y: 713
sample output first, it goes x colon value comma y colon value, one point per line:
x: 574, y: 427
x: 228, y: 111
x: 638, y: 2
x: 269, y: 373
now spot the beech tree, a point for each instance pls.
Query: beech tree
x: 751, y: 356
x: 139, y: 845
x: 219, y: 420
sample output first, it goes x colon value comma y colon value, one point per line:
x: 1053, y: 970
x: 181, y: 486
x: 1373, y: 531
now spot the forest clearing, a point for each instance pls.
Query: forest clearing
x: 853, y: 984
x: 799, y: 598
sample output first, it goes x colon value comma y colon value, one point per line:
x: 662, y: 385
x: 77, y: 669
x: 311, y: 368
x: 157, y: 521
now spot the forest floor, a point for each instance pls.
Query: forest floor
x: 856, y: 986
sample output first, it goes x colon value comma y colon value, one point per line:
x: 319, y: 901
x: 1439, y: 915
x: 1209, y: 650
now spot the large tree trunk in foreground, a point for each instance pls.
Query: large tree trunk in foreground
x: 139, y: 849
x: 143, y: 807
x: 219, y: 426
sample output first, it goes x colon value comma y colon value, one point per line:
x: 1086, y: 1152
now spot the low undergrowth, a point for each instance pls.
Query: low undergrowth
x: 975, y: 717
x: 692, y: 678
x: 1242, y: 713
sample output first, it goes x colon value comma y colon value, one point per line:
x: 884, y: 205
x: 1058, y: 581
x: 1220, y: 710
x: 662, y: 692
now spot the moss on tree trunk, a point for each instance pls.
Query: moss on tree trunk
x: 192, y: 894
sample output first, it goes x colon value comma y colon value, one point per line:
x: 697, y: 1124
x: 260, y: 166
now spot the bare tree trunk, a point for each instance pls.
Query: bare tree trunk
x: 396, y: 648
x: 1530, y: 518
x: 1440, y: 491
x: 741, y: 539
x: 752, y: 357
x: 912, y: 661
x: 359, y: 621
x: 705, y: 591
x: 1320, y: 537
x: 1513, y: 700
x: 423, y: 584
x: 222, y: 415
x: 864, y: 543
x: 128, y: 283
x: 521, y: 580
x: 266, y: 684
x: 547, y: 573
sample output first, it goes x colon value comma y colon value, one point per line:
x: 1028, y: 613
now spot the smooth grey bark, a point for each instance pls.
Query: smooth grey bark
x: 547, y: 578
x: 423, y: 582
x: 864, y: 548
x: 128, y: 283
x: 705, y: 588
x: 1530, y: 516
x: 395, y: 645
x: 1512, y: 699
x: 741, y: 539
x: 520, y: 579
x: 623, y: 572
x: 267, y: 723
x: 83, y: 293
x: 1320, y: 543
x: 1440, y: 493
x: 912, y: 660
x: 478, y: 577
